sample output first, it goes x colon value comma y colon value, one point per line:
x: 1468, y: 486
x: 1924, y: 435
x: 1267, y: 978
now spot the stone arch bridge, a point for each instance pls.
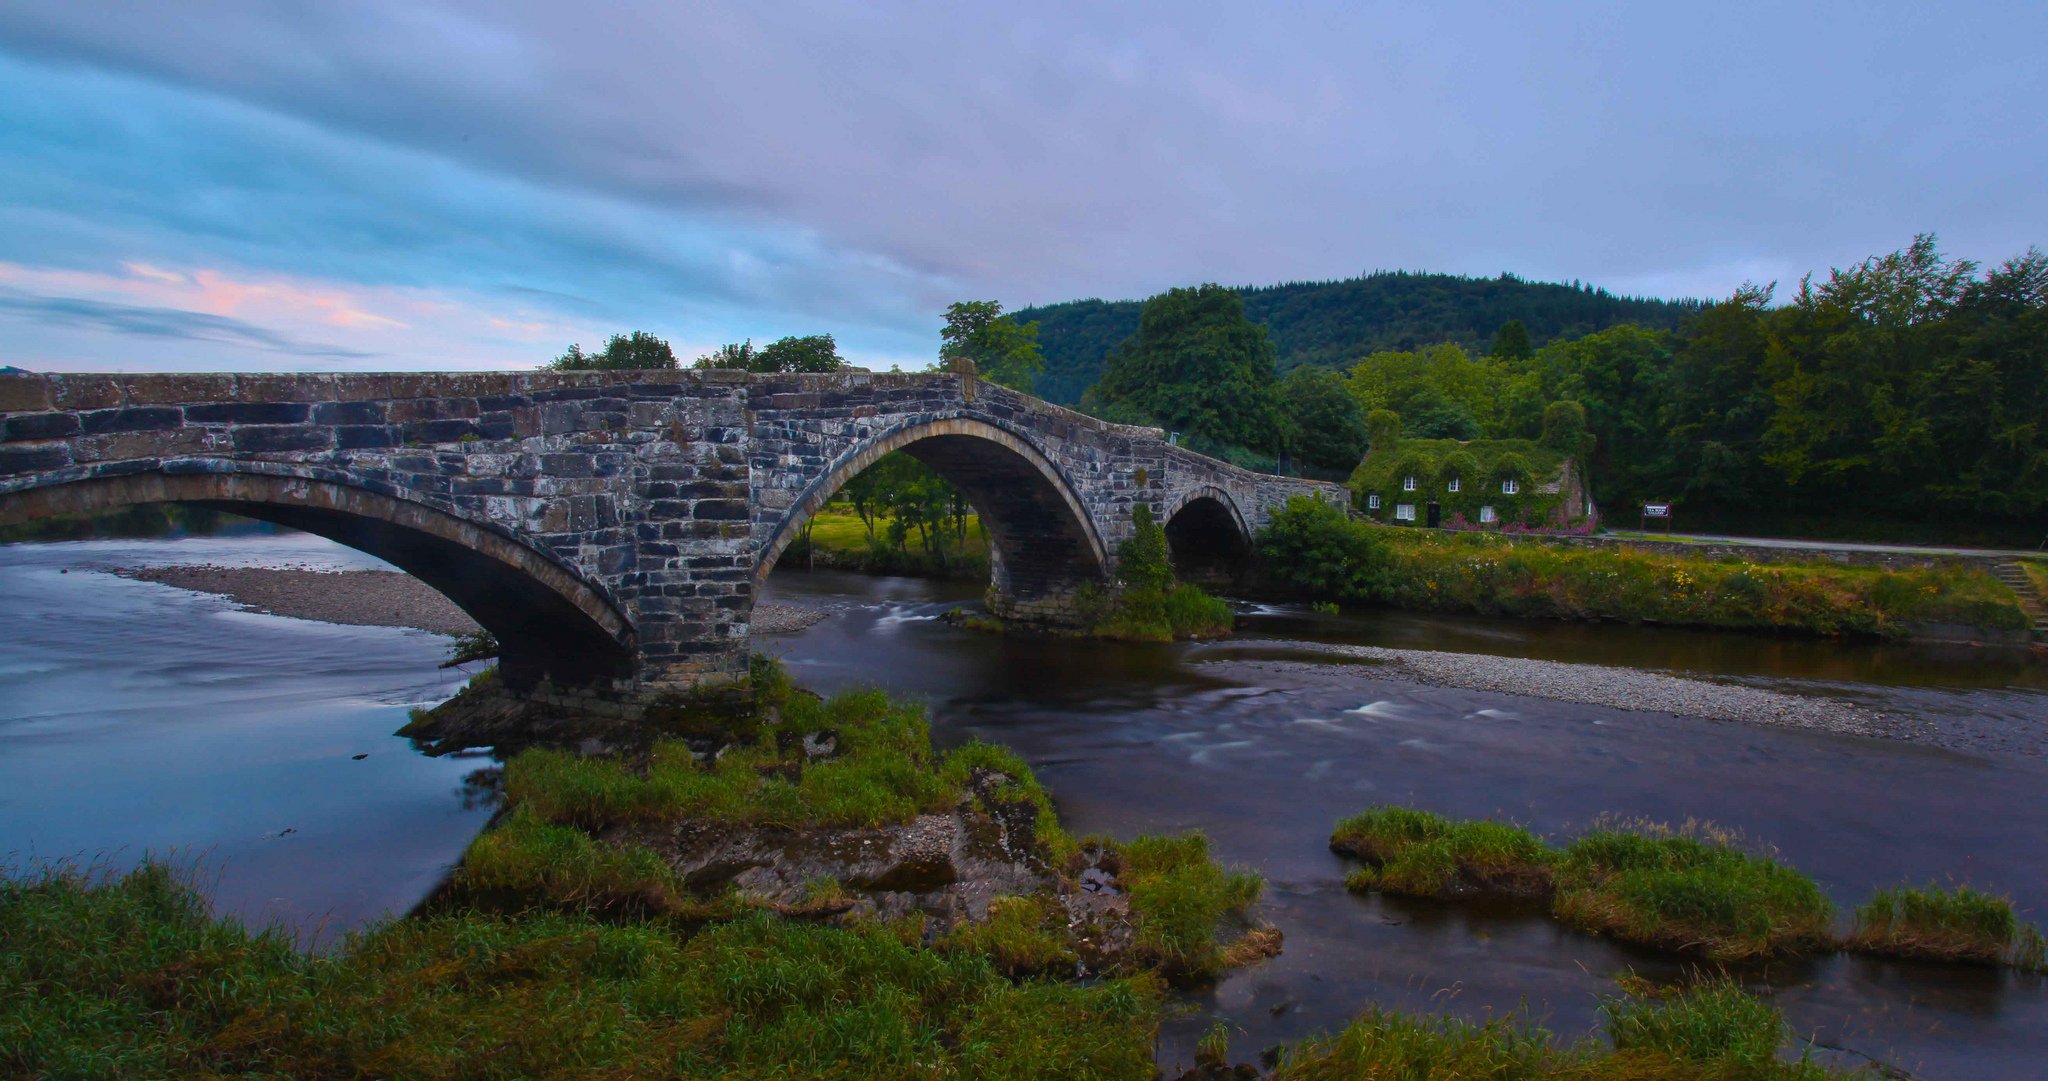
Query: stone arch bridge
x: 612, y: 529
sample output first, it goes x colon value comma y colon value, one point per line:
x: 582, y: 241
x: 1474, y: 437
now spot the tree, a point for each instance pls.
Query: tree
x: 1199, y: 366
x: 623, y: 352
x: 732, y: 355
x: 1430, y: 415
x: 811, y: 353
x: 1511, y: 342
x: 1564, y: 428
x: 1003, y: 350
x: 1325, y: 426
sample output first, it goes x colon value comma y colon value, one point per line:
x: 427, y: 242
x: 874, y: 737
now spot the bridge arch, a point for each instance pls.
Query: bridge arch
x: 1207, y: 536
x: 549, y: 621
x: 1043, y: 541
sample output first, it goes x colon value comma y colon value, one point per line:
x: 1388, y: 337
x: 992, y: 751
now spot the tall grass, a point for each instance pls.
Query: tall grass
x: 1316, y: 550
x: 1178, y: 897
x: 1934, y: 924
x: 1690, y: 889
x: 1714, y: 1032
x: 1492, y: 576
x: 1421, y: 854
x: 130, y: 978
x: 1680, y: 891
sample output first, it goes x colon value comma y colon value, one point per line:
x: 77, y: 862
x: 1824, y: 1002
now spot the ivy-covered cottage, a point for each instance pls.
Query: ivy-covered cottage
x: 1475, y: 483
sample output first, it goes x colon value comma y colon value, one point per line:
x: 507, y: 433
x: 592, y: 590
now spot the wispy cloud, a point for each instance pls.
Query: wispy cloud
x: 287, y: 321
x: 163, y: 323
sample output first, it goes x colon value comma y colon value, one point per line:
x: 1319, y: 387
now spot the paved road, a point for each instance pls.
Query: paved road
x: 1835, y: 546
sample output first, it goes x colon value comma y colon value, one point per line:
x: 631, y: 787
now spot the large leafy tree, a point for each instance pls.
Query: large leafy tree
x: 1198, y: 366
x: 1325, y: 426
x: 621, y: 352
x: 1003, y: 350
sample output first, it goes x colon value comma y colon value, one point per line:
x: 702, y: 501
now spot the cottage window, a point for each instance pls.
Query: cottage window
x: 1452, y: 486
x: 1407, y: 484
x: 1372, y: 501
x: 1404, y: 512
x: 1486, y: 514
x: 1510, y: 486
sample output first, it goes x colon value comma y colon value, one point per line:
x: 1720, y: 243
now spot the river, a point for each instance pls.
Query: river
x: 141, y: 718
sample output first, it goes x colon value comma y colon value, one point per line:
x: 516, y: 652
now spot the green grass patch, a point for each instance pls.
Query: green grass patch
x: 1420, y: 854
x: 130, y: 978
x: 1687, y: 890
x: 839, y: 539
x: 1714, y: 1032
x: 1022, y: 936
x: 1934, y: 924
x: 1179, y: 895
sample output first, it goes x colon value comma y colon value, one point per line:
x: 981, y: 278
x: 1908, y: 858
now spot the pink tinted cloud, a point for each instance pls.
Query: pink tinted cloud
x: 386, y: 326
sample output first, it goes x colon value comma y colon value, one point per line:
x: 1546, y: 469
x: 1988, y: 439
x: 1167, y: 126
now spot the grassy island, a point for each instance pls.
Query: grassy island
x: 1694, y: 889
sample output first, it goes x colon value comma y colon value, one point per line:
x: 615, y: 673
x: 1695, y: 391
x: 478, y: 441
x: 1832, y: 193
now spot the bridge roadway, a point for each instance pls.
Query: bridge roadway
x: 612, y: 529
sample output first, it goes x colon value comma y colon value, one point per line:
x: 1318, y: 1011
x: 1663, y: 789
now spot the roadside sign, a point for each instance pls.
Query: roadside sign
x: 1661, y: 511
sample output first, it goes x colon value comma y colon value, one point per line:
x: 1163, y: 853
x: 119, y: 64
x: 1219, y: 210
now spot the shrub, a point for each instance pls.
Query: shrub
x: 1314, y: 547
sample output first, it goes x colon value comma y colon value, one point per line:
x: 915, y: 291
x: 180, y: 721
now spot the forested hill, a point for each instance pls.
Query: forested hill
x: 1332, y: 324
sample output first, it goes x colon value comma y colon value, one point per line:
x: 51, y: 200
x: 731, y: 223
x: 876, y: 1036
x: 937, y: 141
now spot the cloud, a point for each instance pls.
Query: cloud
x: 239, y: 319
x: 752, y: 170
x: 163, y: 323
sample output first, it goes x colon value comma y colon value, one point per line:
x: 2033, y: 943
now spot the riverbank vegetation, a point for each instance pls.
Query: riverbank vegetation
x: 1150, y: 604
x: 1693, y: 889
x: 130, y: 977
x: 802, y: 778
x: 1929, y: 923
x: 1315, y: 549
x: 1712, y: 1030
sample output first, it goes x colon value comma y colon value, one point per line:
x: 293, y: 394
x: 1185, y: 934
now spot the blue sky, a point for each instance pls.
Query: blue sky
x: 202, y: 186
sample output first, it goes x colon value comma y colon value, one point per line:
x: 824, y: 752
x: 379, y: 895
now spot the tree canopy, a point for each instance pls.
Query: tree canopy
x: 1330, y: 324
x: 621, y: 352
x: 1003, y: 350
x: 1198, y: 366
x: 1325, y: 425
x: 810, y: 353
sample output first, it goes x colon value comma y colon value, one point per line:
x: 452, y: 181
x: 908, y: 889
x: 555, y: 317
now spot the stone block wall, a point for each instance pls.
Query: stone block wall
x: 649, y: 504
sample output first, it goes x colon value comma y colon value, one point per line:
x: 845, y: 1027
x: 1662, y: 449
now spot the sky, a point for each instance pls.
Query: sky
x: 427, y: 185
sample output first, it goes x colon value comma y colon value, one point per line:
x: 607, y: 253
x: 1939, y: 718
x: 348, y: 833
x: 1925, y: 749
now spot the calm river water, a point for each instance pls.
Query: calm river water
x: 135, y: 717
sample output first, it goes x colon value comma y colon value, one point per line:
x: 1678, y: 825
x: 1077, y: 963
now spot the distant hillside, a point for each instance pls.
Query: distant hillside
x: 9, y: 368
x: 1331, y: 324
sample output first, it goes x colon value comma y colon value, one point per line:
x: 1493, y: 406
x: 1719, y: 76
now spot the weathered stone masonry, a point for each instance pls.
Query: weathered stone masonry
x: 612, y: 528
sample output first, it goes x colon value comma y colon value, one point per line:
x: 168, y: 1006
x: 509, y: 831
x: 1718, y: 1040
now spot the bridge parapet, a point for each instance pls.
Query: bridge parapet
x: 649, y: 503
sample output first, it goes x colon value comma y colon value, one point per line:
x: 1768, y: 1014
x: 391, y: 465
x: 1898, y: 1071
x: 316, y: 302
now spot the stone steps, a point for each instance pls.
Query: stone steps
x: 2015, y: 577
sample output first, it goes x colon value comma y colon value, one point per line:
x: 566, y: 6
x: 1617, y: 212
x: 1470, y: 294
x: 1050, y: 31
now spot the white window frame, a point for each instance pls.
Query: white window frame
x: 1510, y: 486
x: 1372, y: 501
x: 1486, y: 515
x: 1404, y: 512
x: 1407, y: 484
x: 1451, y: 485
